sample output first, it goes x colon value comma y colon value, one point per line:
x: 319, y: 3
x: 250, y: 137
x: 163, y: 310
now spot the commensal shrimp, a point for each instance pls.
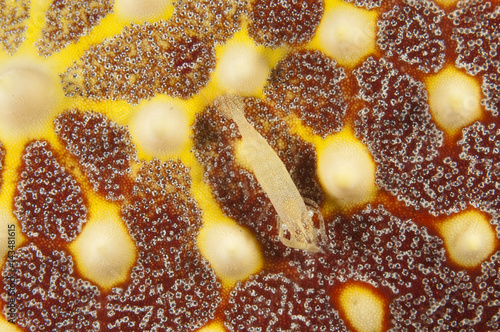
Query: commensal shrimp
x: 295, y: 222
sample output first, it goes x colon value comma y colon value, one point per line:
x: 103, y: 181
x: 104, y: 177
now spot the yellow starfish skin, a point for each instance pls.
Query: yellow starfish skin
x: 131, y: 199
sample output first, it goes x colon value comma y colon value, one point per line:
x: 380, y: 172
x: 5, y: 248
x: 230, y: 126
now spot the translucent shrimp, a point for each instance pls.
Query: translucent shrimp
x: 295, y: 223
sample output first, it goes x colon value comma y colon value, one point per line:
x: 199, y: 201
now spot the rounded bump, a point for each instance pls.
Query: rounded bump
x: 231, y: 250
x: 160, y: 128
x: 141, y: 9
x: 348, y: 34
x: 454, y: 100
x: 104, y: 252
x: 357, y: 298
x: 27, y: 97
x: 346, y: 170
x: 242, y: 69
x: 469, y: 238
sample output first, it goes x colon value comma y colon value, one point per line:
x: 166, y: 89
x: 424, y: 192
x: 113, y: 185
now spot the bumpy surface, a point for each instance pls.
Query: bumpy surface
x: 315, y: 78
x: 171, y: 285
x: 67, y: 21
x: 13, y: 15
x: 216, y: 20
x: 368, y: 4
x: 480, y: 148
x: 161, y: 212
x: 376, y: 247
x: 475, y: 29
x: 404, y: 141
x: 280, y: 23
x: 49, y: 294
x: 49, y: 202
x: 398, y: 259
x: 451, y: 299
x: 491, y: 91
x: 103, y: 149
x: 172, y: 289
x: 410, y: 31
x: 183, y: 69
x: 281, y: 305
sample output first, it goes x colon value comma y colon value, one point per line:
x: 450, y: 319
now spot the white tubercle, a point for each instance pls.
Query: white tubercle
x: 104, y: 251
x: 27, y: 97
x: 347, y: 34
x: 363, y: 309
x: 160, y: 128
x: 141, y: 9
x: 242, y: 69
x: 454, y: 100
x: 231, y: 250
x: 469, y: 238
x: 347, y: 171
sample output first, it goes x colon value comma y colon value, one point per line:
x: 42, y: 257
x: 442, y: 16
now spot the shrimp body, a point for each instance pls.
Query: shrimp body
x: 294, y: 217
